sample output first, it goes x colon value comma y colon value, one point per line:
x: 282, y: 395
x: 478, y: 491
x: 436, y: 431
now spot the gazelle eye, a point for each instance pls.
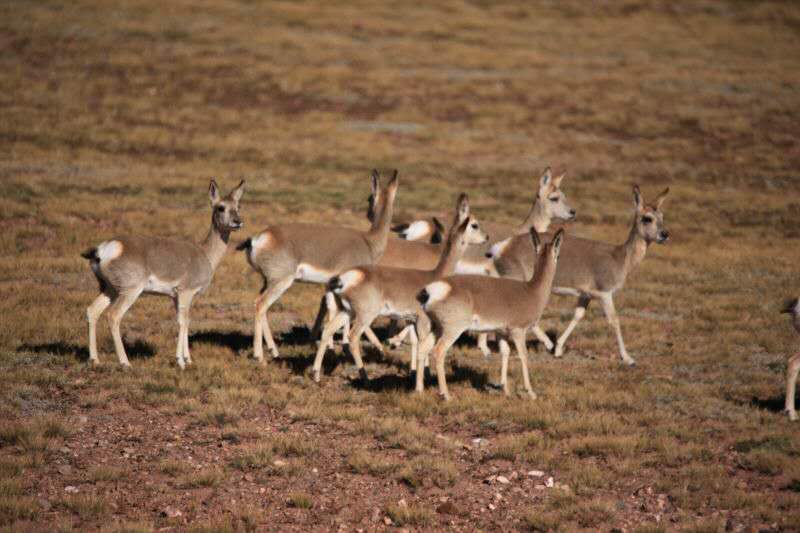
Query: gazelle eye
x: 474, y: 226
x: 554, y: 198
x: 647, y: 220
x: 220, y: 208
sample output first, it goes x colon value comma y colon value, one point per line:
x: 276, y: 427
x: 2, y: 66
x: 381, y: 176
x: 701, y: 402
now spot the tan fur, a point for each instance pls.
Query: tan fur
x: 793, y: 369
x: 591, y: 269
x: 314, y: 253
x: 480, y: 303
x: 129, y: 266
x: 387, y: 291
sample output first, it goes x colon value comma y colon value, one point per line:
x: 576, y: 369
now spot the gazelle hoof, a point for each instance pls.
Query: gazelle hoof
x: 260, y: 362
x: 630, y: 362
x: 362, y: 374
x: 125, y: 366
x: 792, y: 414
x: 274, y: 353
x: 532, y: 395
x: 94, y: 362
x: 316, y: 376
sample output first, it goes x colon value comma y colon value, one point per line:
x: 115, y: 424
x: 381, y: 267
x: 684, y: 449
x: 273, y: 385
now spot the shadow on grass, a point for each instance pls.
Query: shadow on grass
x: 299, y: 365
x: 470, y: 340
x: 775, y: 404
x: 138, y: 350
x: 407, y: 382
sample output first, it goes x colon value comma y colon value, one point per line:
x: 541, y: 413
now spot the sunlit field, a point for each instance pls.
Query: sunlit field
x: 113, y: 118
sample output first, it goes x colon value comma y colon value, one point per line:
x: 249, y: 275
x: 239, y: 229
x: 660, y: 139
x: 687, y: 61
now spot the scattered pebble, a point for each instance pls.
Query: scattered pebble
x: 279, y: 462
x: 504, y: 480
x: 549, y: 483
x: 491, y: 507
x: 69, y: 489
x: 536, y: 473
x: 65, y: 470
x: 387, y: 520
x: 402, y: 503
x: 171, y: 512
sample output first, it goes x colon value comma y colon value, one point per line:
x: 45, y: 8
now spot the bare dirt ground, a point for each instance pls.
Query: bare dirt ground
x: 114, y: 117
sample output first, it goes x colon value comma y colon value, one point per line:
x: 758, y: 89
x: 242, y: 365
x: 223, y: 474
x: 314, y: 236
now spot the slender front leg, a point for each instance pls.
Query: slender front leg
x: 396, y: 341
x: 183, y: 303
x: 322, y: 313
x: 611, y: 315
x: 505, y: 352
x: 267, y: 297
x: 330, y: 328
x: 118, y: 308
x: 360, y: 324
x: 543, y: 338
x: 439, y: 352
x: 483, y: 345
x: 580, y: 311
x: 518, y: 337
x: 791, y: 384
x: 93, y: 313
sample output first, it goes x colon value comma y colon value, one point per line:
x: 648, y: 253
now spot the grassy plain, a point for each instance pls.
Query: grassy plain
x: 113, y: 118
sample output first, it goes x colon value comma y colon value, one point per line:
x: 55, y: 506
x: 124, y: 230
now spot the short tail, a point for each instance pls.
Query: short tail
x: 90, y: 254
x: 245, y: 245
x: 335, y: 284
x: 423, y: 296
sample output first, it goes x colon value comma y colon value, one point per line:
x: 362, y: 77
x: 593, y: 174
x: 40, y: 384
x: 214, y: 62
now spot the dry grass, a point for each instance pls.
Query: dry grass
x: 114, y: 116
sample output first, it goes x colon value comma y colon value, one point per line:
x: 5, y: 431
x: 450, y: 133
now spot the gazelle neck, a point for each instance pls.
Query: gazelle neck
x: 451, y: 255
x: 632, y: 251
x: 379, y: 232
x: 537, y: 218
x: 215, y: 245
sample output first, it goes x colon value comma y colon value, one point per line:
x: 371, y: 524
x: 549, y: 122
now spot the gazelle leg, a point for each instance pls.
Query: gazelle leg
x: 182, y: 304
x: 483, y: 345
x: 440, y: 352
x: 412, y: 335
x: 330, y: 328
x: 331, y: 310
x: 118, y: 308
x: 791, y: 384
x: 374, y: 340
x: 398, y: 339
x: 322, y: 314
x: 543, y: 338
x: 611, y: 315
x: 505, y: 352
x: 518, y: 336
x: 93, y: 313
x: 360, y: 324
x: 580, y: 311
x: 268, y: 296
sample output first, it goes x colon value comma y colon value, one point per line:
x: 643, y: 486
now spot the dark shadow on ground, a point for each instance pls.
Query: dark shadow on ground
x: 775, y: 404
x: 138, y: 350
x: 407, y: 381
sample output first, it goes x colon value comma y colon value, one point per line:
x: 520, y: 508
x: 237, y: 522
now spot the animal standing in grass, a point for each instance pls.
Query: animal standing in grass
x: 128, y: 266
x: 367, y: 292
x: 591, y: 269
x: 479, y: 303
x: 313, y: 253
x: 793, y: 308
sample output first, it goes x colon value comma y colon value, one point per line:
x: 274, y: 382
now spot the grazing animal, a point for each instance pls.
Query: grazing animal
x: 369, y: 291
x: 313, y: 253
x: 479, y: 303
x: 591, y: 269
x: 793, y: 308
x: 426, y: 230
x: 128, y: 266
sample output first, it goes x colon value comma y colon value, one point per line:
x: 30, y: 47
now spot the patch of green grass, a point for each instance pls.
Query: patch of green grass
x: 363, y: 462
x: 410, y: 515
x: 172, y: 467
x: 106, y: 473
x: 13, y: 508
x: 254, y: 458
x: 86, y: 506
x: 201, y: 479
x: 424, y: 470
x: 300, y: 500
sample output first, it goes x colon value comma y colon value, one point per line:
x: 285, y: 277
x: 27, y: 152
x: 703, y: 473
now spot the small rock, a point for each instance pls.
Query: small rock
x: 314, y: 470
x: 539, y: 487
x: 489, y: 479
x: 45, y: 504
x: 262, y: 490
x: 402, y: 503
x: 64, y: 470
x: 387, y: 520
x: 513, y: 475
x: 83, y: 419
x: 129, y: 451
x: 171, y: 512
x: 549, y: 483
x: 249, y: 477
x: 70, y: 489
x: 491, y: 507
x: 479, y: 442
x: 535, y: 473
x: 376, y: 515
x: 503, y: 479
x: 64, y: 449
x: 279, y: 462
x: 498, y: 496
x: 447, y: 508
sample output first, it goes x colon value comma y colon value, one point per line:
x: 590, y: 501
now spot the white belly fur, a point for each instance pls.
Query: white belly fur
x: 309, y: 274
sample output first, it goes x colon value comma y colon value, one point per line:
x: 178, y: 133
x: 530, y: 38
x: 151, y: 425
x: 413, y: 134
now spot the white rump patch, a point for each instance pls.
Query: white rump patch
x: 499, y: 248
x: 350, y: 279
x: 437, y: 291
x: 109, y: 250
x: 311, y: 274
x: 480, y: 269
x: 263, y: 240
x: 417, y: 230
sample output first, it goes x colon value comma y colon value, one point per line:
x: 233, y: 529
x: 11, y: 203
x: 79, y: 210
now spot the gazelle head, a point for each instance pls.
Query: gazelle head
x: 225, y: 210
x: 380, y: 197
x: 649, y: 221
x: 426, y: 230
x: 472, y: 234
x: 552, y: 198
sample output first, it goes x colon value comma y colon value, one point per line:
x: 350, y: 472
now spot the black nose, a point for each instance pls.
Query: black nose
x: 572, y: 213
x: 664, y: 235
x: 489, y: 255
x: 423, y: 297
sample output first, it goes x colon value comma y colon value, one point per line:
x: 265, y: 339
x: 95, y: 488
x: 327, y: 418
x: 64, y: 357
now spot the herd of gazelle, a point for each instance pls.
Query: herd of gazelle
x: 442, y: 280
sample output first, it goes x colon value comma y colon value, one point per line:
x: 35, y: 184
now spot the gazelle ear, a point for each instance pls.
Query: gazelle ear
x: 462, y: 228
x: 438, y: 231
x: 557, y: 240
x: 237, y: 193
x: 546, y: 179
x: 213, y: 192
x: 394, y: 182
x: 537, y: 243
x: 557, y: 180
x: 637, y: 199
x: 660, y: 199
x: 462, y: 207
x: 375, y: 182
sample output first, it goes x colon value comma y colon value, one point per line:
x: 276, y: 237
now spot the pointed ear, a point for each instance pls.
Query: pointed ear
x: 462, y: 228
x: 557, y: 180
x: 537, y: 243
x: 438, y: 225
x: 213, y: 192
x: 557, y: 240
x: 660, y: 199
x: 394, y: 181
x: 462, y: 207
x: 638, y: 202
x: 237, y: 193
x: 546, y: 179
x: 438, y: 231
x: 375, y: 182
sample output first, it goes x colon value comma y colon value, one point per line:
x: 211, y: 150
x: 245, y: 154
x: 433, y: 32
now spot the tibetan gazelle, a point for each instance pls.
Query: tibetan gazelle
x: 479, y: 303
x: 591, y: 269
x: 793, y: 308
x: 313, y: 253
x: 369, y: 291
x: 126, y: 267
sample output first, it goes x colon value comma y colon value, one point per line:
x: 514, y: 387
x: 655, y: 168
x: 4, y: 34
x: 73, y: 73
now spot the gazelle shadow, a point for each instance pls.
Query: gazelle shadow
x: 407, y: 382
x: 775, y: 404
x: 139, y: 349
